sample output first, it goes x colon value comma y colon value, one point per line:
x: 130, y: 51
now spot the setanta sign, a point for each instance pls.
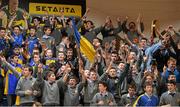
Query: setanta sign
x: 53, y: 9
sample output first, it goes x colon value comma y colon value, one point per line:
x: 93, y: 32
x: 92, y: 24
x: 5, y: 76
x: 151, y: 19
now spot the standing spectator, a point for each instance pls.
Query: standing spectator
x: 61, y: 59
x: 171, y: 97
x: 13, y: 9
x: 32, y: 40
x: 57, y: 28
x: 63, y: 45
x: 109, y: 32
x: 18, y: 33
x: 133, y: 31
x: 91, y: 32
x: 24, y: 87
x: 72, y: 89
x: 171, y: 69
x: 18, y: 37
x: 47, y: 39
x: 48, y: 58
x: 147, y: 99
x: 12, y: 78
x: 50, y: 88
x: 90, y: 87
x: 39, y: 29
x: 113, y: 81
x: 4, y: 41
x: 103, y: 97
x: 129, y: 98
x: 69, y: 26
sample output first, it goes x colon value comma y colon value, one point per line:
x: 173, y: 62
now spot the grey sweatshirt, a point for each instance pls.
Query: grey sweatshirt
x: 105, y: 97
x: 173, y: 100
x: 90, y: 89
x: 71, y: 97
x: 23, y: 85
x: 50, y: 91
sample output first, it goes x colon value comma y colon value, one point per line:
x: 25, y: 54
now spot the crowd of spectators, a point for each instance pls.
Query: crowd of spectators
x: 41, y: 63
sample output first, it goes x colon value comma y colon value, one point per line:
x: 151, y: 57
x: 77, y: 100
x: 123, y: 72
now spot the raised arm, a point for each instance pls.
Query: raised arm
x: 85, y: 15
x: 81, y: 70
x: 126, y: 70
x: 25, y: 20
x: 66, y: 75
x: 9, y: 66
x: 81, y: 21
x: 128, y: 41
x: 119, y: 28
x: 139, y: 21
x: 124, y: 28
x: 11, y: 21
x: 139, y: 61
x: 158, y: 33
x: 39, y: 75
x: 9, y: 36
x: 62, y: 19
x: 105, y: 74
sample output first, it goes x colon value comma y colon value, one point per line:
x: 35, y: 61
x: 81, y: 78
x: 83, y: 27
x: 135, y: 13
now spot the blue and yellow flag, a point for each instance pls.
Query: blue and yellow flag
x: 85, y: 46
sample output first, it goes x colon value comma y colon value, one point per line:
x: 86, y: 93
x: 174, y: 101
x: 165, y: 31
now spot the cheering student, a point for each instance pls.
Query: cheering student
x: 103, y: 97
x: 170, y: 97
x: 14, y: 71
x: 147, y: 99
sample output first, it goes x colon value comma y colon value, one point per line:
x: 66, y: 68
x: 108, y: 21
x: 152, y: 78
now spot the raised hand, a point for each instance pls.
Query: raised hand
x: 2, y: 58
x: 126, y: 18
x: 62, y: 14
x: 139, y: 19
x: 40, y: 68
x: 24, y: 15
x: 118, y: 19
x: 164, y: 70
x: 107, y: 19
x: 85, y: 15
x: 14, y: 17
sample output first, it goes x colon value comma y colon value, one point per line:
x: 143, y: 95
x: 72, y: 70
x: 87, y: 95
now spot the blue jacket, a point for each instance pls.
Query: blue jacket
x: 11, y: 80
x: 32, y: 63
x: 32, y: 41
x: 3, y: 44
x: 176, y: 73
x: 149, y: 52
x: 144, y: 100
x: 18, y: 39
